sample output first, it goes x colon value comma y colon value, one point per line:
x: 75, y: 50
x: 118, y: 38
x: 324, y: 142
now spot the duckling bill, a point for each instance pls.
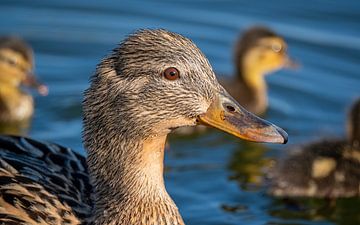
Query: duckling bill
x: 154, y: 81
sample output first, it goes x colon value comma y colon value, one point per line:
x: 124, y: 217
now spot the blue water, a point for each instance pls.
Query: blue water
x: 213, y: 177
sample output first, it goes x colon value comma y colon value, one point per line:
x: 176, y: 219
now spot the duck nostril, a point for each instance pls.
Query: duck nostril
x: 230, y: 108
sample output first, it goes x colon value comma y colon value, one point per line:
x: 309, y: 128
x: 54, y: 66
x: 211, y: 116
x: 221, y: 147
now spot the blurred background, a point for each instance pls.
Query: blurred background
x: 213, y: 178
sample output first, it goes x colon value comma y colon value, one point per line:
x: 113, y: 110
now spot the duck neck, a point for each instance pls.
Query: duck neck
x: 129, y: 184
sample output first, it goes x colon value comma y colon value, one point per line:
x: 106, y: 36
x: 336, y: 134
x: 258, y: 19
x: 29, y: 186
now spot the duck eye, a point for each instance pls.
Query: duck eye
x: 171, y: 73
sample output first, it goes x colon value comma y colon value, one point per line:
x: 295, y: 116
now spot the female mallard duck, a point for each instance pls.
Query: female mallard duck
x: 259, y: 51
x: 152, y: 83
x: 329, y: 168
x: 16, y: 65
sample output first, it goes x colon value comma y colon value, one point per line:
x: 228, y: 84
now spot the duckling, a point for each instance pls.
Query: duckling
x: 16, y: 66
x: 327, y: 168
x: 259, y: 51
x: 153, y: 82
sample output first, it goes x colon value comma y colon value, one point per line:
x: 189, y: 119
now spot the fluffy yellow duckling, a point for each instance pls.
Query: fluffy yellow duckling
x: 327, y: 168
x: 16, y: 66
x: 153, y: 82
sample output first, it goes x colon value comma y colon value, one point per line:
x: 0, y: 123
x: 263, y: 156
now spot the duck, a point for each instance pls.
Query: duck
x: 16, y: 72
x: 152, y: 82
x: 328, y: 168
x: 258, y: 52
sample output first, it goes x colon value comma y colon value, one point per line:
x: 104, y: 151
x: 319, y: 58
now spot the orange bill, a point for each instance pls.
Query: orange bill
x: 227, y: 115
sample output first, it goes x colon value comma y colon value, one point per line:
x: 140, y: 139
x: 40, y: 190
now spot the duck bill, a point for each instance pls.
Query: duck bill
x: 32, y: 82
x: 227, y: 115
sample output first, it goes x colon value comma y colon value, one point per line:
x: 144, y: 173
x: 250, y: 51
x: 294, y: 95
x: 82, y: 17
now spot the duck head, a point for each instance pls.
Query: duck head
x: 353, y: 124
x: 16, y: 64
x: 156, y: 81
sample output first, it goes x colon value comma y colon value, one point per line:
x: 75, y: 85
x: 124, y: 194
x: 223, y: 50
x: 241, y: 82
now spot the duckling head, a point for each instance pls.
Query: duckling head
x: 16, y: 60
x: 17, y: 63
x: 260, y: 51
x: 353, y: 124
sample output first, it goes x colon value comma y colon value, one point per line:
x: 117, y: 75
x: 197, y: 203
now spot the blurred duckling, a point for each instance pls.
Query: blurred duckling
x: 328, y: 168
x: 260, y: 51
x: 16, y: 66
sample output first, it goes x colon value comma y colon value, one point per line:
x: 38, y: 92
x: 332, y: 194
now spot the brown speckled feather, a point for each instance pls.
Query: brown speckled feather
x: 42, y: 183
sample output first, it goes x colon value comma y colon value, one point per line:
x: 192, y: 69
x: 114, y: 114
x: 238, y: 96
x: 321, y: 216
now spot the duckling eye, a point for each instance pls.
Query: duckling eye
x: 8, y: 60
x: 12, y: 62
x: 171, y: 73
x: 276, y: 47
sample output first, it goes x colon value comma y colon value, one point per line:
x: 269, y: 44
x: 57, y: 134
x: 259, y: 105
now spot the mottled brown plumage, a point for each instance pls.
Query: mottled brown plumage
x: 129, y: 109
x: 42, y: 183
x: 326, y: 168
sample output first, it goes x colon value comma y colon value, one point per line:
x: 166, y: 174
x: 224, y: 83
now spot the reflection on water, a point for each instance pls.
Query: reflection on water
x: 248, y: 164
x: 70, y: 37
x: 15, y: 128
x: 340, y: 211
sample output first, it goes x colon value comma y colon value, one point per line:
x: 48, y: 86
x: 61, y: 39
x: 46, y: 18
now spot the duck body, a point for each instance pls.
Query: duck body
x: 153, y: 82
x: 42, y: 183
x: 45, y: 183
x: 323, y: 169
